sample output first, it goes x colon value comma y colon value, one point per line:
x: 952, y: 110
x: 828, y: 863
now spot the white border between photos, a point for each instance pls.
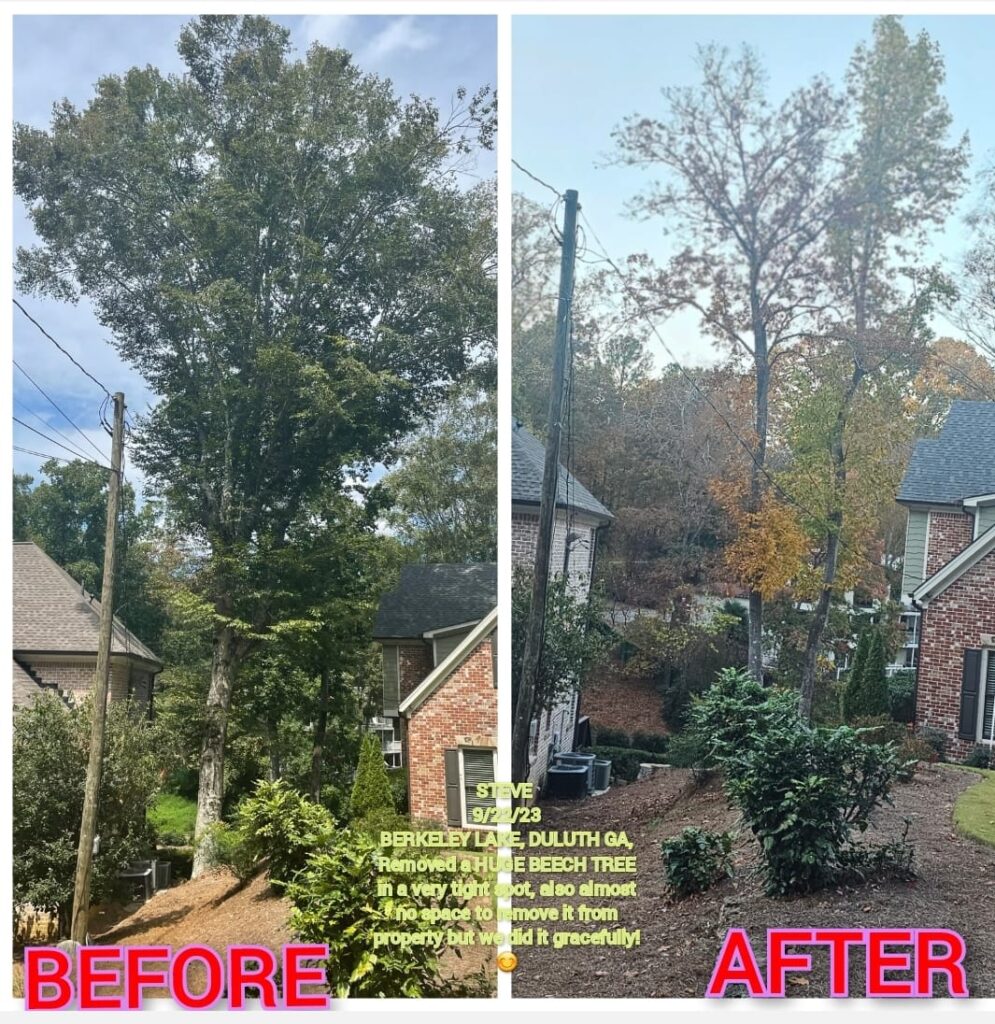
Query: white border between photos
x: 505, y: 10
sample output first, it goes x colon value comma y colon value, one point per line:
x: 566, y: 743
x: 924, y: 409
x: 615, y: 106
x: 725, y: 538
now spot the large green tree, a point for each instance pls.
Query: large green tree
x: 281, y: 247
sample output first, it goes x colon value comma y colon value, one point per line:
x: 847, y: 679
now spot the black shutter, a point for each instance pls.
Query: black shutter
x: 454, y: 798
x: 970, y: 694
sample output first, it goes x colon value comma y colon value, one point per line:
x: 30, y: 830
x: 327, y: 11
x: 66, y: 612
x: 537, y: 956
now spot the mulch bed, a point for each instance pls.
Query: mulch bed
x: 680, y: 940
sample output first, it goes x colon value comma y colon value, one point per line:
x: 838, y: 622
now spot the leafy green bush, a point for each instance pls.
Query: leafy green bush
x: 626, y: 760
x: 738, y: 711
x: 172, y: 816
x: 902, y: 695
x: 695, y: 859
x: 803, y: 792
x: 371, y: 790
x: 652, y: 741
x: 282, y: 827
x: 51, y: 744
x: 225, y: 847
x: 607, y: 737
x: 936, y: 738
x: 866, y: 694
x: 691, y: 750
x: 979, y: 756
x: 399, y: 786
x: 336, y: 903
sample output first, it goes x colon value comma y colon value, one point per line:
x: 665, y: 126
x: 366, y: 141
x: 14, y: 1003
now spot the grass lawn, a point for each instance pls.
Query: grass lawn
x: 173, y: 817
x: 974, y: 811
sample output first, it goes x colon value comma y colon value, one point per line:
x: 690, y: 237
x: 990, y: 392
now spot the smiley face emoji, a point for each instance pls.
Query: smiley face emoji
x: 507, y: 961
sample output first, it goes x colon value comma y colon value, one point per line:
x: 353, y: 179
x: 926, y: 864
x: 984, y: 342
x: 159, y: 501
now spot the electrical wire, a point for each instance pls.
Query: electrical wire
x: 58, y: 444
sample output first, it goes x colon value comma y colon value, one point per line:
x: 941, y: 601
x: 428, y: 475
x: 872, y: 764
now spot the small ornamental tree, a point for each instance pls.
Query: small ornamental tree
x: 372, y: 792
x: 849, y: 702
x: 874, y: 687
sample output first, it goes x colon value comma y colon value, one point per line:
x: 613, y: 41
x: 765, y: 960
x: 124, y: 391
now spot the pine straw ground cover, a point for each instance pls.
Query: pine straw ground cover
x: 955, y: 889
x: 215, y: 910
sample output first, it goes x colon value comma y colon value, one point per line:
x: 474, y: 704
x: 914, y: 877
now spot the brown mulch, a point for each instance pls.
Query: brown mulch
x: 680, y: 940
x: 615, y: 700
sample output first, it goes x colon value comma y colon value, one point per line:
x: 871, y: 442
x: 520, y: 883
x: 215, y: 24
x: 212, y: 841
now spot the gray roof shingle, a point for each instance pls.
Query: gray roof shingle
x: 54, y: 614
x: 958, y: 464
x: 528, y: 459
x: 434, y: 596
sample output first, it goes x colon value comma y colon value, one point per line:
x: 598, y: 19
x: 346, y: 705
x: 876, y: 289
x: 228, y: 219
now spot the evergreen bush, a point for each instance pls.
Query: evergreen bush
x: 371, y: 790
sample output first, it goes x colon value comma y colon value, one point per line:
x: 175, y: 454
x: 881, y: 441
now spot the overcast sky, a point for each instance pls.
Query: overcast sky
x: 63, y: 56
x: 575, y: 78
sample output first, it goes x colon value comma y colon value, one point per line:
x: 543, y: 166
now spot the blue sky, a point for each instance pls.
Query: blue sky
x: 575, y: 78
x: 63, y: 56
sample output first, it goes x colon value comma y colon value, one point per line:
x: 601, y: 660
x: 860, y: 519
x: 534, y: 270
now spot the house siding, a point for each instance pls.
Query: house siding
x: 461, y: 713
x: 445, y: 645
x: 915, y: 549
x: 986, y: 518
x: 954, y: 621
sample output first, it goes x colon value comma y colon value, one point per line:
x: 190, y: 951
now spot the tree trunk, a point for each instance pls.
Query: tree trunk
x: 320, y: 728
x: 834, y: 522
x: 210, y: 790
x: 758, y: 478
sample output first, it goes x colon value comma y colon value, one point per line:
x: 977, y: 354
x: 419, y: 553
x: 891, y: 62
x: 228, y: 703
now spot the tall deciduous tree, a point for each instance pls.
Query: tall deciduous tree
x: 744, y: 193
x: 281, y: 248
x: 899, y: 178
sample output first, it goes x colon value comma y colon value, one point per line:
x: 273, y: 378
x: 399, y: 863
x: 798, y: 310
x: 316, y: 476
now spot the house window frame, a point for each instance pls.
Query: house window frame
x: 987, y: 659
x: 462, y: 786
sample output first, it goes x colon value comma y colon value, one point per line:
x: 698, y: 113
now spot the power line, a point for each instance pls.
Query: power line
x: 45, y: 394
x: 44, y: 423
x: 537, y: 179
x: 79, y: 430
x: 54, y: 458
x: 45, y: 333
x: 58, y: 444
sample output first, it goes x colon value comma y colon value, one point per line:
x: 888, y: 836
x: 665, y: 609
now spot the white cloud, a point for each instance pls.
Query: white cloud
x: 400, y: 35
x: 328, y: 29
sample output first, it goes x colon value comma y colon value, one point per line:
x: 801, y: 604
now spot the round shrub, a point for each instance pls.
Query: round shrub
x: 979, y: 756
x: 652, y: 741
x: 695, y: 859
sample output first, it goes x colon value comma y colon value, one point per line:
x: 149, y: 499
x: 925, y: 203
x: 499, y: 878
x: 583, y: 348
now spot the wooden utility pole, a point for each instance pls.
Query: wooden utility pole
x: 101, y: 680
x: 532, y: 653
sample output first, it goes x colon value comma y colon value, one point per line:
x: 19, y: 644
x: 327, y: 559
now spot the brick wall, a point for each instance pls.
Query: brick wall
x: 75, y: 678
x: 953, y: 622
x: 949, y: 533
x: 415, y: 663
x: 462, y: 712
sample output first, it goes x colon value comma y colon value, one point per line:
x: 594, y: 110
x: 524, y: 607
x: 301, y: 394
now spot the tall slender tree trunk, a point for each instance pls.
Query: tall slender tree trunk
x: 320, y: 729
x: 210, y: 790
x: 834, y: 523
x: 758, y: 479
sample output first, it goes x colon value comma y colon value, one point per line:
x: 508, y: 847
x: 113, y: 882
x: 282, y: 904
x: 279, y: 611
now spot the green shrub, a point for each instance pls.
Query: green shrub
x: 936, y: 738
x: 979, y: 756
x: 606, y: 737
x: 371, y: 790
x: 695, y: 859
x: 738, y: 711
x: 911, y: 751
x: 691, y: 750
x: 804, y: 792
x: 866, y: 694
x: 225, y: 847
x: 336, y: 903
x: 384, y: 820
x: 880, y: 729
x: 626, y: 760
x: 902, y: 695
x: 655, y: 742
x: 399, y: 786
x: 282, y: 827
x: 50, y: 751
x: 172, y: 816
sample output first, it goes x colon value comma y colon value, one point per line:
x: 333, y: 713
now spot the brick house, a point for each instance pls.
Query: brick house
x: 949, y: 575
x: 579, y: 517
x: 57, y: 633
x: 438, y: 634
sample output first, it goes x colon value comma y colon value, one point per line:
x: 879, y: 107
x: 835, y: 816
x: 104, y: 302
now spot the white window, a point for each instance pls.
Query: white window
x: 987, y: 724
x: 477, y: 764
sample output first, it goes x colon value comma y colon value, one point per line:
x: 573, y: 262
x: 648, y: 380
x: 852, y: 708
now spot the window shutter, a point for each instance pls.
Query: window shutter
x: 988, y: 710
x: 970, y: 695
x: 478, y: 766
x: 454, y: 803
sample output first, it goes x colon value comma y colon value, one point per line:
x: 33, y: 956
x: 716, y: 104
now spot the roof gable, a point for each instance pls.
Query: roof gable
x: 528, y: 463
x: 433, y: 596
x: 54, y: 614
x: 958, y: 464
x: 948, y: 574
x: 448, y: 666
